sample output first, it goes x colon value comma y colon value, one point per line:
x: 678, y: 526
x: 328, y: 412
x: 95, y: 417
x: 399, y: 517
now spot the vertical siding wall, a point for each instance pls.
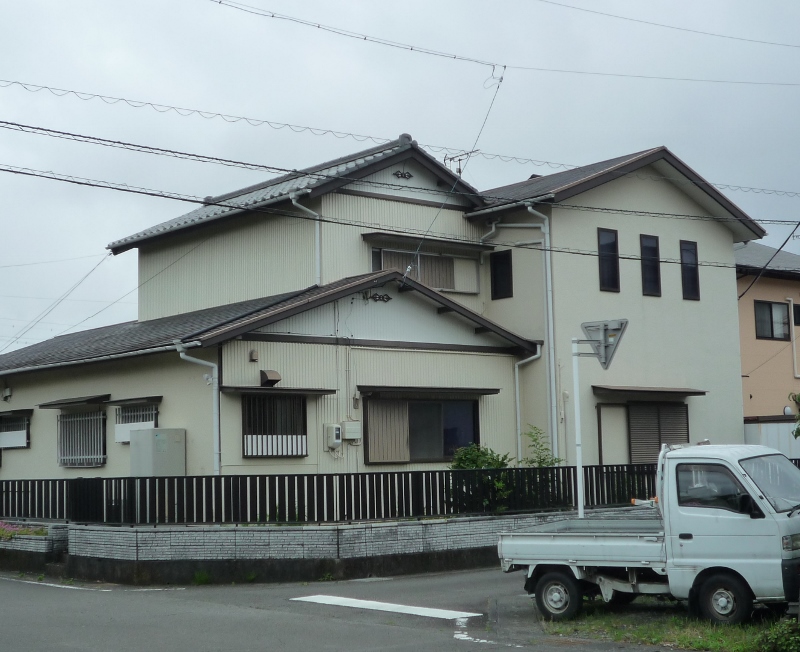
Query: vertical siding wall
x: 343, y: 368
x: 247, y: 258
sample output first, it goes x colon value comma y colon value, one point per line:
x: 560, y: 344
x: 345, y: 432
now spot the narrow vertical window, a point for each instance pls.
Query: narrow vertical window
x: 501, y: 273
x: 690, y: 272
x: 608, y: 255
x: 651, y: 266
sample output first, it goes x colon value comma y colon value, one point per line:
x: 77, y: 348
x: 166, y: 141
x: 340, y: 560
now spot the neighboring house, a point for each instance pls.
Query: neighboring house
x: 769, y: 282
x: 412, y: 309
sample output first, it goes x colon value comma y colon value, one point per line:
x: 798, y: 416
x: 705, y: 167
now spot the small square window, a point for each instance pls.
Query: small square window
x: 772, y: 320
x: 274, y: 426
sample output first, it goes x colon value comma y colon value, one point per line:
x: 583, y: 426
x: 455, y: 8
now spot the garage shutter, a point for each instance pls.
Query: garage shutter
x: 652, y: 424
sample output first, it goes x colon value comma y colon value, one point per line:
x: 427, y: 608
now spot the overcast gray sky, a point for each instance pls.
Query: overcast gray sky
x: 204, y: 55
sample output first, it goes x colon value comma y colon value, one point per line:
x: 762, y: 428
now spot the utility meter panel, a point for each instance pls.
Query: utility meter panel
x: 333, y: 435
x: 351, y: 430
x: 158, y: 452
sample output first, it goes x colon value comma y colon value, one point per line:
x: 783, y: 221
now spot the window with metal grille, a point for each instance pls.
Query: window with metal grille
x: 772, y: 320
x: 651, y: 265
x: 419, y: 430
x: 652, y: 424
x: 82, y: 439
x: 15, y: 431
x: 608, y: 257
x: 274, y: 426
x: 431, y: 270
x: 140, y: 416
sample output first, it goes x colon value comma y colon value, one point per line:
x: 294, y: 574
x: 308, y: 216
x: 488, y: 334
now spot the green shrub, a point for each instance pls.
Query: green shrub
x: 476, y: 456
x: 539, y: 453
x: 783, y: 636
x: 201, y: 577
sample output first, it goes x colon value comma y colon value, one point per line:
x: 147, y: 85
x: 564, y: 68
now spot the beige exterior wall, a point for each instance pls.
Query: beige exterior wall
x: 322, y: 366
x: 767, y: 369
x: 245, y: 258
x: 670, y: 342
x: 186, y: 404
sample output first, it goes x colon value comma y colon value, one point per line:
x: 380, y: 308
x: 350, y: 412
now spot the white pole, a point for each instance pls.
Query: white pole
x: 577, y: 403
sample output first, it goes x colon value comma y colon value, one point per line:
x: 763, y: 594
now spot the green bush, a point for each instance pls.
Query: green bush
x: 476, y: 456
x: 539, y: 450
x: 783, y: 636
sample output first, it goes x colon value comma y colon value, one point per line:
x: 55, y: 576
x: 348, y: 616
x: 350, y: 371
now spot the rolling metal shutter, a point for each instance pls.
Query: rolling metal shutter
x: 652, y: 424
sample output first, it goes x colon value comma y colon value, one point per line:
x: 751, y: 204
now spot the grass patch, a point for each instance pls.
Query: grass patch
x: 650, y: 621
x: 8, y: 531
x: 201, y: 578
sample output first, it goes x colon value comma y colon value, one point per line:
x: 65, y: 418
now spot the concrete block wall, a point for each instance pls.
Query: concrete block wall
x: 55, y: 541
x: 274, y: 542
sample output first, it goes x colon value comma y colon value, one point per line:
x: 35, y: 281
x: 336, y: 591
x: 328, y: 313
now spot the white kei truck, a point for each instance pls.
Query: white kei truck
x: 725, y: 536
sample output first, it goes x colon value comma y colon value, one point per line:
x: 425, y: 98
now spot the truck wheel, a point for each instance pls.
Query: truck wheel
x: 725, y: 600
x: 558, y: 596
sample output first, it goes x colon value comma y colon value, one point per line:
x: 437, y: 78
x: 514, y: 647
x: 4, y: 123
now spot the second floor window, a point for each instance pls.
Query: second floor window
x: 608, y: 255
x: 651, y: 266
x: 501, y: 273
x: 690, y: 271
x: 772, y: 320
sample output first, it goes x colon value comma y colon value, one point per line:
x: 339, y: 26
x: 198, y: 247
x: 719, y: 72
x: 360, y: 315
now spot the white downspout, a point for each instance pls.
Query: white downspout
x: 181, y: 349
x: 551, y: 347
x: 492, y: 232
x: 517, y: 365
x: 317, y: 236
x: 791, y: 322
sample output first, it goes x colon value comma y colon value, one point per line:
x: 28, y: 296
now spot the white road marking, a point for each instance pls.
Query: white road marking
x: 427, y: 612
x: 57, y: 586
x: 176, y: 588
x: 373, y: 579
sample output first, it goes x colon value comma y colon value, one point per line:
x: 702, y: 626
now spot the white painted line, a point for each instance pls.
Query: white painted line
x: 337, y: 601
x: 56, y: 586
x: 373, y: 579
x: 176, y: 588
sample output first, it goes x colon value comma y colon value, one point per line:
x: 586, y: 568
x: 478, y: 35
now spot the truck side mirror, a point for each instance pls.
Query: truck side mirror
x: 748, y: 506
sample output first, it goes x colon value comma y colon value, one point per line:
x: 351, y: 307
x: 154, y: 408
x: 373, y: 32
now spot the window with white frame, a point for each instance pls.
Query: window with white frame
x: 274, y: 426
x: 82, y: 439
x: 15, y: 429
x: 139, y: 416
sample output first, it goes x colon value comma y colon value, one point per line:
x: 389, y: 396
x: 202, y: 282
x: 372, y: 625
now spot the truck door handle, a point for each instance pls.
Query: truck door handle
x: 686, y: 536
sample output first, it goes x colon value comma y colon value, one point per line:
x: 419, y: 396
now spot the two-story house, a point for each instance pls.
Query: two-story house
x: 769, y: 289
x: 382, y: 293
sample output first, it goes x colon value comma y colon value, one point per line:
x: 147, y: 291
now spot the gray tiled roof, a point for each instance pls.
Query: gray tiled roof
x: 554, y: 182
x: 131, y: 336
x: 754, y: 255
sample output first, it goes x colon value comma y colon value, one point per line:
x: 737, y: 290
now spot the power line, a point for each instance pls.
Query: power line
x: 265, y: 13
x: 47, y: 262
x: 203, y: 158
x: 53, y: 306
x: 193, y: 199
x: 317, y: 131
x: 680, y: 29
x: 763, y: 269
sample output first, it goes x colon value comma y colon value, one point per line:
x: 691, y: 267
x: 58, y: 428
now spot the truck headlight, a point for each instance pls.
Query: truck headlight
x: 790, y: 542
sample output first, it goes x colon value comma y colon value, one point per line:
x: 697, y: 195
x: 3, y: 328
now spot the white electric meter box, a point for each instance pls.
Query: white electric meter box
x: 351, y: 430
x: 333, y: 435
x: 158, y: 452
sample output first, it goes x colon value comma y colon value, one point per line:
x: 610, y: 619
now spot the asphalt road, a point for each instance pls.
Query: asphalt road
x: 52, y: 616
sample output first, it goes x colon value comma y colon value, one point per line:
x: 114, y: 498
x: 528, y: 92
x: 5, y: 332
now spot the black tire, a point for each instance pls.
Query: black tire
x: 620, y: 598
x: 558, y: 596
x: 725, y: 600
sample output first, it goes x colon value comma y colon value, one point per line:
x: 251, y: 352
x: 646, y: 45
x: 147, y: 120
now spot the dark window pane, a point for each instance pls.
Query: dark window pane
x: 763, y: 319
x: 377, y: 260
x: 425, y: 430
x: 690, y: 272
x: 651, y: 266
x: 458, y: 421
x: 796, y: 315
x: 608, y: 250
x: 501, y: 273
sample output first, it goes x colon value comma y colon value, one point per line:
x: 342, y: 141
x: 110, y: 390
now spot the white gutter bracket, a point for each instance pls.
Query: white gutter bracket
x: 180, y: 347
x: 317, y: 234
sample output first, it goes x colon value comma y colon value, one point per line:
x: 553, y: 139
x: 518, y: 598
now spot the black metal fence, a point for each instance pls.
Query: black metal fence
x: 322, y: 498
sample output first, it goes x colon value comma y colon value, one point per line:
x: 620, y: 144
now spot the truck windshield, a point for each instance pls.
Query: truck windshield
x: 777, y: 478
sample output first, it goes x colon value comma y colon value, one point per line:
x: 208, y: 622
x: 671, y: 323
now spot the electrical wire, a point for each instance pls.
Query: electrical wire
x: 193, y: 199
x: 46, y: 262
x: 53, y: 306
x: 763, y: 269
x: 265, y: 13
x: 680, y: 29
x: 203, y: 158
